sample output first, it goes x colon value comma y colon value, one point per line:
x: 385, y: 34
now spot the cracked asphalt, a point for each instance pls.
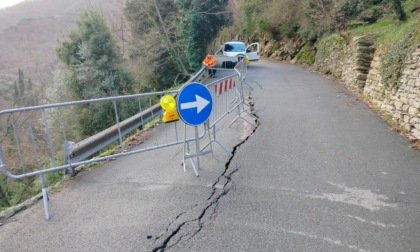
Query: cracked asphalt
x: 322, y: 172
x: 179, y: 233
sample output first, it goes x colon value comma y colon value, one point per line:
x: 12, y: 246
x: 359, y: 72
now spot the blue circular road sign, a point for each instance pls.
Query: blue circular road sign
x: 194, y: 104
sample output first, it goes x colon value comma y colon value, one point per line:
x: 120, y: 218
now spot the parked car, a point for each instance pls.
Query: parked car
x: 239, y: 50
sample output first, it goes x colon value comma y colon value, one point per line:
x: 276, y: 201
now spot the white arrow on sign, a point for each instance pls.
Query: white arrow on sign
x: 200, y: 104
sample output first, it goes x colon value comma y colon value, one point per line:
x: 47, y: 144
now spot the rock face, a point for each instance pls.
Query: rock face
x: 283, y: 50
x: 357, y: 63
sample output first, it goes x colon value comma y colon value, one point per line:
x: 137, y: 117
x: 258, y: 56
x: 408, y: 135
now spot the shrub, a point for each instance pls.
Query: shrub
x: 306, y: 55
x: 392, y: 62
x: 371, y: 15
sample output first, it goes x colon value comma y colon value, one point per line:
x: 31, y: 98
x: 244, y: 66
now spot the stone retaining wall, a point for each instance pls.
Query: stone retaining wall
x: 357, y: 64
x: 409, y: 95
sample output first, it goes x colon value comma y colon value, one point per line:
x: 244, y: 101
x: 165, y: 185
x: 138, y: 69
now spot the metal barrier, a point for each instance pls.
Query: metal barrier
x: 227, y: 96
x: 76, y: 152
x: 35, y: 146
x: 37, y: 136
x: 239, y: 65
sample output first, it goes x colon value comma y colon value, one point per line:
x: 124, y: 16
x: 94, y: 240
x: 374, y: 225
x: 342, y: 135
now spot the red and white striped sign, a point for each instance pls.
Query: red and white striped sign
x: 224, y: 86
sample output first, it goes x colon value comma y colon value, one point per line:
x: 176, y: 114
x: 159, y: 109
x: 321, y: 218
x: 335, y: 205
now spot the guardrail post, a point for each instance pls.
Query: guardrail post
x: 67, y: 152
x: 117, y: 119
x: 45, y: 196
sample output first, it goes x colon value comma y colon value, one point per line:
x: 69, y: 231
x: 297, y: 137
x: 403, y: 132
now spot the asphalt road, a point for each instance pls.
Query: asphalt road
x: 322, y: 172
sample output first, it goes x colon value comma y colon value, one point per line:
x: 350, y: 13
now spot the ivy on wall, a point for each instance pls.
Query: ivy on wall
x: 392, y: 61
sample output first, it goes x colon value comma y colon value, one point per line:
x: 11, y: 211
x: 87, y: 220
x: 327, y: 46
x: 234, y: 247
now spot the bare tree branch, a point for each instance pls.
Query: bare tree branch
x: 168, y: 39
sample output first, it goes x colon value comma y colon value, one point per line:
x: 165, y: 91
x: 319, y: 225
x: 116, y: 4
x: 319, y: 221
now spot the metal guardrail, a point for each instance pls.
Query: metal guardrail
x: 28, y: 144
x: 76, y: 152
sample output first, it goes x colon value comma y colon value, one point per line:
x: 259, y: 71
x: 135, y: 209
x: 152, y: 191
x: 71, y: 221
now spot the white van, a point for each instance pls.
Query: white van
x: 238, y: 49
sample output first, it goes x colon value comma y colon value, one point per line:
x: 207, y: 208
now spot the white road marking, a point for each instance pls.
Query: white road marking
x: 356, y: 196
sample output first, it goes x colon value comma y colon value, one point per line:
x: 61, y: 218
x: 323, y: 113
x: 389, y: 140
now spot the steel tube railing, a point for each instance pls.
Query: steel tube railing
x: 76, y: 153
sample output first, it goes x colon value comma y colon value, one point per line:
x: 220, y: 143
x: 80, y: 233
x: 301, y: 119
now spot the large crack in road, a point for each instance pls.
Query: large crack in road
x: 179, y: 232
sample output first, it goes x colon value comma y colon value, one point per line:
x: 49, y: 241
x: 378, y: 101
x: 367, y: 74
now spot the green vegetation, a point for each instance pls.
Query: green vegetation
x: 14, y: 192
x: 381, y: 27
x: 398, y: 9
x: 23, y: 93
x: 199, y: 23
x: 310, y: 20
x: 332, y: 43
x: 110, y: 150
x: 170, y: 38
x: 152, y: 123
x: 392, y: 61
x: 168, y: 42
x: 93, y: 69
x: 306, y: 55
x: 395, y: 39
x: 325, y: 26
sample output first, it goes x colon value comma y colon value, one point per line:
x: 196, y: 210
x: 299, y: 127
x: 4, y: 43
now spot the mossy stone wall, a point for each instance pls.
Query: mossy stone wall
x: 358, y: 64
x: 402, y: 100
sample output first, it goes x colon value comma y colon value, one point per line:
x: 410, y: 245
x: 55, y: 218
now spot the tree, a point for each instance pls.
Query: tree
x: 249, y: 17
x: 91, y: 52
x: 154, y: 51
x: 29, y: 84
x: 21, y: 83
x: 13, y: 192
x: 15, y: 93
x: 283, y: 18
x: 397, y: 6
x: 199, y: 23
x: 170, y: 37
x: 93, y: 69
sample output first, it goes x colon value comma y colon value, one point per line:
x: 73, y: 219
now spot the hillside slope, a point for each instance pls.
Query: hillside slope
x: 29, y: 32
